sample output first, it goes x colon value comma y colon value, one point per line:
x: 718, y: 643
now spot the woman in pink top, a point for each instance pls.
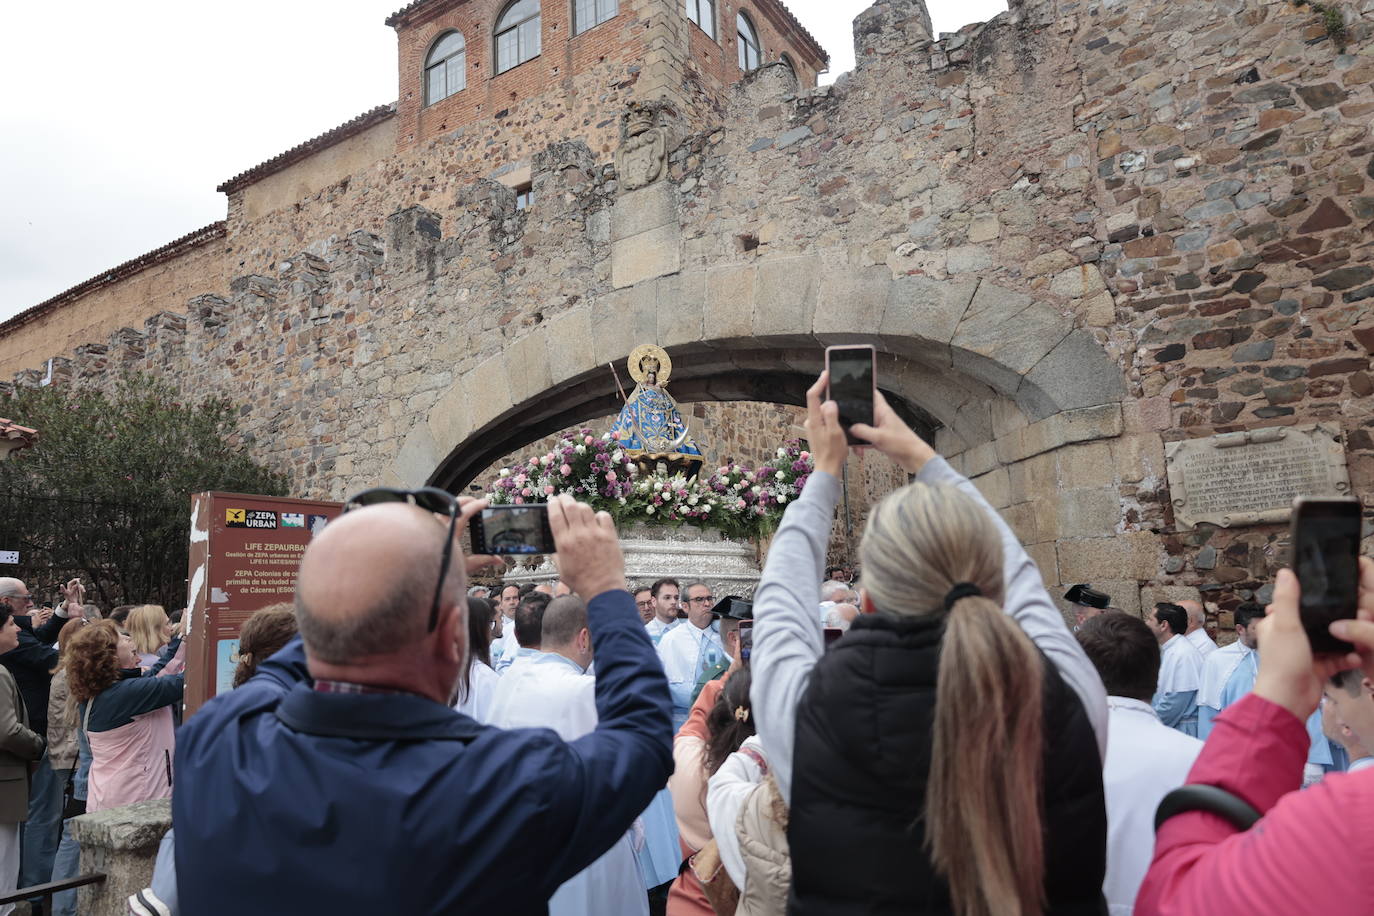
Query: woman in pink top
x: 126, y: 714
x: 1310, y: 851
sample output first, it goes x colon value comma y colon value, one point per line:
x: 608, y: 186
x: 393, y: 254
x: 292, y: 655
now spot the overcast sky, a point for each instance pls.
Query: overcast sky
x: 120, y: 119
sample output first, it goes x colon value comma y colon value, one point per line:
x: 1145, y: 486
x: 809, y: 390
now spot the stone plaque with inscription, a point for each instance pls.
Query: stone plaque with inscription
x: 1252, y: 477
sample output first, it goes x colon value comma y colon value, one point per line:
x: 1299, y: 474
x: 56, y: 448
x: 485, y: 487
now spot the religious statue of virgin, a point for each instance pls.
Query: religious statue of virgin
x: 650, y: 427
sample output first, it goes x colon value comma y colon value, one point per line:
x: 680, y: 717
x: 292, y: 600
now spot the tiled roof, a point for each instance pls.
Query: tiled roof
x: 13, y: 432
x: 815, y: 45
x: 778, y: 6
x: 325, y: 140
x: 406, y: 11
x: 172, y: 249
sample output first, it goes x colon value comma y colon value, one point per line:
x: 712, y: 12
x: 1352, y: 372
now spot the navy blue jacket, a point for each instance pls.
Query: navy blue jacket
x: 31, y: 663
x: 293, y: 801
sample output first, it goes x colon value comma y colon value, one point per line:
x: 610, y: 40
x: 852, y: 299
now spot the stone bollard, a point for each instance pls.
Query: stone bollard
x: 122, y: 844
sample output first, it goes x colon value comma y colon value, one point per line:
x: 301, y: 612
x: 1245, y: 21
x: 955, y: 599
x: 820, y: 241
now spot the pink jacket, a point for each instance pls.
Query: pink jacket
x: 1310, y: 852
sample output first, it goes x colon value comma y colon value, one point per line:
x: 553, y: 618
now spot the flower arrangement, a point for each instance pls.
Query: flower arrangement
x: 736, y: 500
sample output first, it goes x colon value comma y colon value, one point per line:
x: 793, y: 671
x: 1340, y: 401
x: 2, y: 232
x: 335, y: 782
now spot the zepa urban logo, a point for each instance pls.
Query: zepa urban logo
x: 250, y: 518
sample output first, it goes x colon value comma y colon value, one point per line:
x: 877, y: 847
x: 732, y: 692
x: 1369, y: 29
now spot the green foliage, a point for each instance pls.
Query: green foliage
x: 1333, y: 20
x: 106, y: 492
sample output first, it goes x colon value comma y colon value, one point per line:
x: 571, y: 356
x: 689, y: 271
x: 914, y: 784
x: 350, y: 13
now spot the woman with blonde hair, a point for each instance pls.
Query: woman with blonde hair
x: 151, y: 629
x: 126, y: 714
x: 945, y: 756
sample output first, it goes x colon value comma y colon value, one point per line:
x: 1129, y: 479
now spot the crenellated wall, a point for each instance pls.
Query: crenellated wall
x: 1075, y: 233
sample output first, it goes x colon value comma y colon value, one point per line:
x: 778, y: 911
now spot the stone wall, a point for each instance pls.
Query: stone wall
x: 1073, y: 233
x: 126, y: 296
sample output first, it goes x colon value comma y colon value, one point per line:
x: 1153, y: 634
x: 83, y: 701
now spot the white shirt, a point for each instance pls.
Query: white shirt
x: 1145, y: 761
x: 686, y: 652
x: 657, y: 628
x: 1180, y: 666
x: 1363, y: 763
x: 726, y: 794
x: 482, y: 681
x: 550, y: 691
x: 1202, y: 642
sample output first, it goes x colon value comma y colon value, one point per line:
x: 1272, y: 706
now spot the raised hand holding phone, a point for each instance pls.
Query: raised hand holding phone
x: 852, y: 383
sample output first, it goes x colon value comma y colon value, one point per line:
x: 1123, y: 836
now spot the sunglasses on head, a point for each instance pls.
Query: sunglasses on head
x: 431, y: 499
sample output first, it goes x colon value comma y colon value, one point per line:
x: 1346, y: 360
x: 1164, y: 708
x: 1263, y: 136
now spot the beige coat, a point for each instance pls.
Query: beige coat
x: 19, y: 746
x: 762, y: 832
x: 62, y: 748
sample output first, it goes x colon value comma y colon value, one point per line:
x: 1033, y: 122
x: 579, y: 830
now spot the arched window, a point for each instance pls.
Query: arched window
x: 517, y: 34
x: 703, y: 13
x: 791, y: 67
x: 588, y: 14
x: 749, y: 56
x: 446, y: 68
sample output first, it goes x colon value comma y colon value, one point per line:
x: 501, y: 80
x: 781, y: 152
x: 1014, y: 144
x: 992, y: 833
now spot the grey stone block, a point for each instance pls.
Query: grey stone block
x: 1089, y: 513
x: 852, y: 300
x: 639, y: 211
x: 122, y: 844
x: 926, y: 308
x: 1076, y: 373
x: 650, y: 254
x: 785, y: 300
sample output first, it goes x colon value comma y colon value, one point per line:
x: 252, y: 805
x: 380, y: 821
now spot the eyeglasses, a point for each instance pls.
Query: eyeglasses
x: 703, y: 599
x: 431, y: 499
x: 25, y: 598
x: 649, y: 603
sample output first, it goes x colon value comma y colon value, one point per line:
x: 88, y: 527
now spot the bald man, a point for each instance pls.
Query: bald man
x: 339, y: 779
x: 1197, y: 628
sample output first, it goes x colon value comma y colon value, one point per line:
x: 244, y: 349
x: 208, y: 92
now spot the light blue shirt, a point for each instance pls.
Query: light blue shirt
x: 507, y: 658
x: 1241, y: 682
x: 656, y: 628
x: 686, y: 652
x: 1180, y: 676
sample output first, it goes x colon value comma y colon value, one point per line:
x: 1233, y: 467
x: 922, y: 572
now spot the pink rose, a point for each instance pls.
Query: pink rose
x: 587, y: 440
x: 616, y: 435
x: 610, y: 477
x: 519, y: 501
x: 566, y: 470
x: 548, y: 489
x: 527, y: 492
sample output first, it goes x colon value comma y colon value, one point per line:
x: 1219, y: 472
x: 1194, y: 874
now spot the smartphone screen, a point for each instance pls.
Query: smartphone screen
x: 851, y: 385
x: 746, y: 639
x: 512, y: 531
x: 1326, y: 558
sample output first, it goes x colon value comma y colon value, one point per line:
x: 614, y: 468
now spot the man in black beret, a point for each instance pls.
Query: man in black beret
x: 1087, y: 602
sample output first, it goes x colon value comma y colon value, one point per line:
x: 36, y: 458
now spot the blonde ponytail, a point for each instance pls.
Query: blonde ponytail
x: 983, y: 804
x: 984, y: 825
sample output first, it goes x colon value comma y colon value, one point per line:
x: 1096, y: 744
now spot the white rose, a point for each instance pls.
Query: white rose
x: 782, y: 500
x: 781, y: 476
x: 757, y: 490
x: 580, y: 449
x: 546, y: 461
x: 617, y: 456
x: 622, y: 500
x: 649, y: 509
x: 505, y: 472
x: 782, y: 453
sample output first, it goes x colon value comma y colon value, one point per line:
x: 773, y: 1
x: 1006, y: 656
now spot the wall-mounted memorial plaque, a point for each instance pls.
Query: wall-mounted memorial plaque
x: 1252, y: 477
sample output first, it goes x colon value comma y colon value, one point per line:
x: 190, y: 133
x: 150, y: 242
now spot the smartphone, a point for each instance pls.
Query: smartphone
x: 746, y: 639
x: 512, y: 531
x: 852, y: 383
x: 1325, y: 540
x: 832, y: 635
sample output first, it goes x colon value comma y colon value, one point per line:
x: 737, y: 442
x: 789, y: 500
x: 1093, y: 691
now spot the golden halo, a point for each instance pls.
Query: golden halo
x: 665, y: 363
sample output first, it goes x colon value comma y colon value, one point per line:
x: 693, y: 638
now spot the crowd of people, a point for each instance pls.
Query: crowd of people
x: 398, y: 741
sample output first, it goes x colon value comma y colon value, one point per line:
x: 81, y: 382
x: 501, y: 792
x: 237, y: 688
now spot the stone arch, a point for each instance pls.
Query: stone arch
x: 1001, y: 375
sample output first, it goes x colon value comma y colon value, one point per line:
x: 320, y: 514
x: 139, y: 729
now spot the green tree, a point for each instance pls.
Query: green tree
x: 106, y: 492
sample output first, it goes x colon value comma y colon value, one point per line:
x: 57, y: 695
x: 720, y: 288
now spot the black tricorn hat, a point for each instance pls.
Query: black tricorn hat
x: 1088, y: 597
x: 734, y: 607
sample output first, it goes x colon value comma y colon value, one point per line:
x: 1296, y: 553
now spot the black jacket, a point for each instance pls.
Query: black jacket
x: 862, y: 756
x: 32, y: 663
